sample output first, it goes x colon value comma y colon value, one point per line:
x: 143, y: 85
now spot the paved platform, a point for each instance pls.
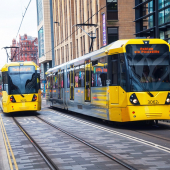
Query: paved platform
x: 4, y: 165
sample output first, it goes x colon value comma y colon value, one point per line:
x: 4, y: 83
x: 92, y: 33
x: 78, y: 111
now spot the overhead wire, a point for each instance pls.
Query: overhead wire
x: 23, y: 18
x: 21, y: 25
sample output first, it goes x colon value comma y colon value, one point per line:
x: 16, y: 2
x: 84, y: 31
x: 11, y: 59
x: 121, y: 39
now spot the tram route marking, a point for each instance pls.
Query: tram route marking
x: 118, y: 133
x: 7, y: 144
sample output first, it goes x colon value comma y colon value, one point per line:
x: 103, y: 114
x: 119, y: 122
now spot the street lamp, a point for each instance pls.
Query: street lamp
x: 7, y: 52
x: 92, y: 36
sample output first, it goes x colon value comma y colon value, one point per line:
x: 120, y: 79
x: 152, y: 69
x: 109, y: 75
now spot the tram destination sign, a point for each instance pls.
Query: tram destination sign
x: 16, y: 69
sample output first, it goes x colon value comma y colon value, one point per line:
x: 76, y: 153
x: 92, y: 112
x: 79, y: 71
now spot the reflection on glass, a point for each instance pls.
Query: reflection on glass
x: 167, y: 15
x: 161, y: 17
x: 150, y: 20
x: 22, y: 82
x: 149, y: 71
x: 160, y: 4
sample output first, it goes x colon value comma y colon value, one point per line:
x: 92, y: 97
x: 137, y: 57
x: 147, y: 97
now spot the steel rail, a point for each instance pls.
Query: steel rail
x: 42, y: 153
x: 90, y: 145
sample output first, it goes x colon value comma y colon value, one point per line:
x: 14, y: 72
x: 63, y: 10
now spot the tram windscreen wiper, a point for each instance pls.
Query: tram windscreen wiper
x: 140, y: 84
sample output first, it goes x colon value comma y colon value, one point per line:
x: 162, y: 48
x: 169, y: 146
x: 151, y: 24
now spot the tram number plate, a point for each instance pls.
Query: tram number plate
x: 23, y: 100
x: 153, y: 102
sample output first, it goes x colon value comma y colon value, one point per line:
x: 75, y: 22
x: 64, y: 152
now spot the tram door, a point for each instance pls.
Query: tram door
x: 59, y: 84
x: 72, y: 82
x: 87, y: 81
x: 51, y: 86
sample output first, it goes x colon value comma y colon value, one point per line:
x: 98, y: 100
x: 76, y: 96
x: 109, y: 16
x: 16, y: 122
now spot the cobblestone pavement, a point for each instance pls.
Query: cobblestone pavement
x: 134, y: 153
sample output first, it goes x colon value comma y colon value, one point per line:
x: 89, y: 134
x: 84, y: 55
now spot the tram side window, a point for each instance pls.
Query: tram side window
x: 48, y: 82
x: 56, y: 80
x: 122, y: 71
x: 5, y: 82
x: 38, y: 80
x: 55, y: 85
x: 62, y: 79
x: 99, y: 72
x: 68, y: 78
x: 79, y: 76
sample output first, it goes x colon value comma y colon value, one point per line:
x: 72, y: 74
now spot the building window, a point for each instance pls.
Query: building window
x: 163, y: 3
x: 39, y: 12
x: 112, y: 34
x: 112, y: 10
x: 41, y: 42
x: 161, y: 17
x: 164, y: 16
x: 167, y: 15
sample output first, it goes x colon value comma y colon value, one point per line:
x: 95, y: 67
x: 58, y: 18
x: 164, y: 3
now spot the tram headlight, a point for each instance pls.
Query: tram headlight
x: 134, y: 100
x: 12, y: 99
x: 34, y: 98
x: 168, y: 99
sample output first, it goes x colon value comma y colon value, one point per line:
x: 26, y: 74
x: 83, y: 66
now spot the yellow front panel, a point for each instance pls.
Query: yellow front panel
x: 148, y: 112
x: 150, y: 108
x: 22, y: 103
x: 145, y: 99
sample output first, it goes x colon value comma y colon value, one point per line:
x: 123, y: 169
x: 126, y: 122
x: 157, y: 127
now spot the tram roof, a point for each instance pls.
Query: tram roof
x: 26, y: 63
x: 113, y: 48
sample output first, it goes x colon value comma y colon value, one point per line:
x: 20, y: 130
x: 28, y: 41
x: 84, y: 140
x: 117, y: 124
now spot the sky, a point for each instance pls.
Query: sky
x: 11, y: 12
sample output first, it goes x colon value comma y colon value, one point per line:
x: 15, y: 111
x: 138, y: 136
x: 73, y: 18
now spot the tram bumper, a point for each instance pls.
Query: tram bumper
x: 27, y: 106
x: 140, y: 113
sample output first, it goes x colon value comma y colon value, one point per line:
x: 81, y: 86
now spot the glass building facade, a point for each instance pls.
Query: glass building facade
x: 41, y: 42
x: 39, y: 11
x: 152, y: 18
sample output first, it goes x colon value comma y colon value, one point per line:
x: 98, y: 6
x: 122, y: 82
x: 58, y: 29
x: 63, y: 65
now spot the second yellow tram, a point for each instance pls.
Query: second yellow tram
x: 128, y: 80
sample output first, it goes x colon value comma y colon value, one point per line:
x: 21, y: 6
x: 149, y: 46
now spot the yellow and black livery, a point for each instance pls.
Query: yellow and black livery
x: 128, y: 80
x: 20, y: 87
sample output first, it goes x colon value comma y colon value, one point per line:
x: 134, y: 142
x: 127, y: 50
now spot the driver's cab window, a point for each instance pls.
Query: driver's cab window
x: 122, y: 71
x: 5, y: 82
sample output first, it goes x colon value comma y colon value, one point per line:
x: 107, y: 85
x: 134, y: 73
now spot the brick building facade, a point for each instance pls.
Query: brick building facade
x: 114, y: 20
x: 27, y: 51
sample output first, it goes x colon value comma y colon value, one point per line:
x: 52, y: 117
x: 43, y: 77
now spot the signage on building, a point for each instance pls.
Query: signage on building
x: 104, y: 29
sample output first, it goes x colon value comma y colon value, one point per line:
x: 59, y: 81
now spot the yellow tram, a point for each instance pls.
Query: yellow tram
x: 128, y: 80
x: 20, y: 87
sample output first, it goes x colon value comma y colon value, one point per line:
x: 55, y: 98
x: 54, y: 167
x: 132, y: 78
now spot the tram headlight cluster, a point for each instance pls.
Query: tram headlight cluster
x: 168, y: 99
x: 34, y: 98
x: 12, y: 99
x: 134, y: 100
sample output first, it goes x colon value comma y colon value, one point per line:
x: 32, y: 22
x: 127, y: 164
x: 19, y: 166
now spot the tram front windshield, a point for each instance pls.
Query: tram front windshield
x: 22, y: 80
x: 149, y: 67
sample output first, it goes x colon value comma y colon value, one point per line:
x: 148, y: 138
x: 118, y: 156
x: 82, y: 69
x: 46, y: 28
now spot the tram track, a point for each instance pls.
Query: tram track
x: 90, y: 145
x: 47, y: 159
x: 39, y: 149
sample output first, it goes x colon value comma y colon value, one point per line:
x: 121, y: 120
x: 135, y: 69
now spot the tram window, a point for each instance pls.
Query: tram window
x: 49, y: 82
x: 38, y: 80
x: 79, y: 76
x: 5, y: 82
x: 122, y: 71
x: 54, y: 81
x: 62, y: 79
x: 114, y: 72
x: 99, y: 72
